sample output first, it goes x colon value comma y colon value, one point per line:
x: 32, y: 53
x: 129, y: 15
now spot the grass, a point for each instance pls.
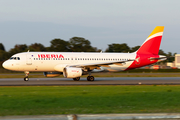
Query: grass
x: 43, y: 100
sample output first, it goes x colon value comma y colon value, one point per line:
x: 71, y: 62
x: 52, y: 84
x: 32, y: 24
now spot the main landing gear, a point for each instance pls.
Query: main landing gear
x: 89, y: 78
x: 26, y: 78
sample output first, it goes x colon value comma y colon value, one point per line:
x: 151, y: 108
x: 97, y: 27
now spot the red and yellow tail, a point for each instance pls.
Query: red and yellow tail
x: 152, y: 43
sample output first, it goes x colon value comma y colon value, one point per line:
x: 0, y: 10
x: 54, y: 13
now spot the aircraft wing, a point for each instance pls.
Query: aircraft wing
x: 92, y: 66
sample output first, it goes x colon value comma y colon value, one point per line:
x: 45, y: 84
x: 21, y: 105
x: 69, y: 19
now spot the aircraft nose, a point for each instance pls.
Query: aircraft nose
x: 6, y: 65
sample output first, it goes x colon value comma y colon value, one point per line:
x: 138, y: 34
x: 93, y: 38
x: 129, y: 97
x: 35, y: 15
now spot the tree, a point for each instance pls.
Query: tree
x: 161, y: 52
x: 118, y: 48
x: 2, y: 47
x: 3, y: 55
x: 59, y: 45
x: 79, y: 44
x: 18, y: 49
x: 37, y: 47
x: 133, y: 49
x: 170, y: 57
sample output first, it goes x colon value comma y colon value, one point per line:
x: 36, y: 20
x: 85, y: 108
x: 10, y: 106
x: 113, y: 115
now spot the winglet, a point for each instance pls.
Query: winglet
x: 152, y: 43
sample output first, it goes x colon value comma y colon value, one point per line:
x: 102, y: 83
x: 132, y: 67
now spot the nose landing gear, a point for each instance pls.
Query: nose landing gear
x: 26, y: 78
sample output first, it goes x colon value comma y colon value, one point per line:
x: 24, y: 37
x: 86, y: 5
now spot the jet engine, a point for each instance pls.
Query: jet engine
x: 71, y: 72
x: 52, y: 74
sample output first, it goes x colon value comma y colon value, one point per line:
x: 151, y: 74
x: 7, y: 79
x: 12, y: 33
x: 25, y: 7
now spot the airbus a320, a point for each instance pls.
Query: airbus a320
x: 75, y: 64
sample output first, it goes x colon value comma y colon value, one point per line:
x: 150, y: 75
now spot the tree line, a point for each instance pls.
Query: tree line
x: 75, y: 44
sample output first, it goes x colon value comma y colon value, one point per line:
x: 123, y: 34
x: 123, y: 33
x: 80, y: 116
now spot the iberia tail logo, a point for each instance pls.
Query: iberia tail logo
x: 152, y: 43
x: 149, y: 49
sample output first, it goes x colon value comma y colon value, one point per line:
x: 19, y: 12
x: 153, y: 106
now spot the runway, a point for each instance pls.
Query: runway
x: 98, y: 81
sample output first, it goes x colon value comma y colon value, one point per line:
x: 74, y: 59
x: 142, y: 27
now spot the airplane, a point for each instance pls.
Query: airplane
x: 75, y: 64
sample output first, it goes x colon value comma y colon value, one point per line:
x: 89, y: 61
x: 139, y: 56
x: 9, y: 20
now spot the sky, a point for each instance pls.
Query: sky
x: 102, y: 22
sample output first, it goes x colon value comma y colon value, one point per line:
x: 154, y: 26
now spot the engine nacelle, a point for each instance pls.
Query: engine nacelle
x: 52, y: 74
x: 71, y: 72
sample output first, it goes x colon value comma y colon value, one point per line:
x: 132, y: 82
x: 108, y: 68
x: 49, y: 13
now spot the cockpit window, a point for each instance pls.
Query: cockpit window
x: 15, y: 58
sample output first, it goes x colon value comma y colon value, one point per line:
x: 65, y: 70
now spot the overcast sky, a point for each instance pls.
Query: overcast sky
x: 102, y: 22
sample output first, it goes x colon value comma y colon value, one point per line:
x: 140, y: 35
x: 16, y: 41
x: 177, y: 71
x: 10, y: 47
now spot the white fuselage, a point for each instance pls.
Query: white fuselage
x: 56, y: 61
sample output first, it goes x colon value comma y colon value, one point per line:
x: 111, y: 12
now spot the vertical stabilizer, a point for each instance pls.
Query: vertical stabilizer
x: 152, y: 43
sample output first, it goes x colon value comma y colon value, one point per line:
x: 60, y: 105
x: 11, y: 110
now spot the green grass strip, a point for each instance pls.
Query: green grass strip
x: 43, y: 100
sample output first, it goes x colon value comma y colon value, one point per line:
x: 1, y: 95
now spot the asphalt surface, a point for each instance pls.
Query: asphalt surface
x: 142, y: 116
x: 98, y: 81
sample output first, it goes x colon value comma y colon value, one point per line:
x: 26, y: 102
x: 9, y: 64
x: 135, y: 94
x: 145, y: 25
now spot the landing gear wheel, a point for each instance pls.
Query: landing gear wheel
x: 90, y: 78
x: 26, y: 79
x: 76, y: 79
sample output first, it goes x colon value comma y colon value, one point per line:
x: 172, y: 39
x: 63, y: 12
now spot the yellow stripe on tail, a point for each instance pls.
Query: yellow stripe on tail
x: 157, y: 29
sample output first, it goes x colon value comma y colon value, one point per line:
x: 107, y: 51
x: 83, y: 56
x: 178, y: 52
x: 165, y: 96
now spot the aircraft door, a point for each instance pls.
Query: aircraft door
x: 28, y: 59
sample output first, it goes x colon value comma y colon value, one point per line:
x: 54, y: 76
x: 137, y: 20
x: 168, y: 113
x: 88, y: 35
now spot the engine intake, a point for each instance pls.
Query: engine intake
x: 71, y: 72
x: 52, y: 74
